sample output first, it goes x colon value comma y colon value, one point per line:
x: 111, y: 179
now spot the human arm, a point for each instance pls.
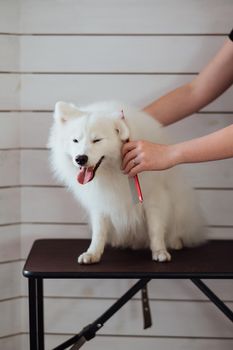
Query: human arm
x: 181, y: 102
x: 151, y: 156
x: 210, y: 83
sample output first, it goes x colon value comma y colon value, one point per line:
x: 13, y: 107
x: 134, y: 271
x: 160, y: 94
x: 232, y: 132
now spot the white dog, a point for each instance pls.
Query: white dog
x: 86, y: 156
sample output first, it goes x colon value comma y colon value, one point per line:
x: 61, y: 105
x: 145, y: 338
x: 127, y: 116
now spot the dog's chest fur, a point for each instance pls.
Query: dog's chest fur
x: 112, y: 198
x: 128, y: 226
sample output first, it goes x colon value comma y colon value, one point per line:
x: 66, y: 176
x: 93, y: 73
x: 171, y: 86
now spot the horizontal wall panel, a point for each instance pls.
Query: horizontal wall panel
x: 138, y: 90
x: 9, y: 130
x: 50, y: 205
x: 220, y: 232
x: 198, y: 125
x: 35, y: 127
x: 19, y: 341
x: 160, y: 289
x: 11, y: 322
x: 117, y: 54
x: 129, y: 343
x: 31, y: 232
x: 10, y: 276
x: 217, y: 206
x: 157, y: 289
x: 9, y: 205
x: 140, y: 16
x: 195, y: 318
x: 218, y: 174
x: 9, y: 95
x: 35, y: 168
x: 57, y: 205
x: 9, y: 165
x: 9, y: 242
x: 9, y: 56
x: 9, y: 16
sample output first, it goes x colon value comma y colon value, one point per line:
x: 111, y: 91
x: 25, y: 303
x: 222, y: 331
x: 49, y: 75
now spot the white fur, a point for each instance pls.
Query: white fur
x: 169, y: 216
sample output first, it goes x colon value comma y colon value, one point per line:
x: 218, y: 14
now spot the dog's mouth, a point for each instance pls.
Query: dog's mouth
x: 87, y: 174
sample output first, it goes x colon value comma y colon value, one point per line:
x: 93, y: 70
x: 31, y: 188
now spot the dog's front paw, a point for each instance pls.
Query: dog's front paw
x: 161, y: 255
x: 88, y: 258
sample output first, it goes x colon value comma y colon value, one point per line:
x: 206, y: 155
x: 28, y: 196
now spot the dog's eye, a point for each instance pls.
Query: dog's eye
x: 96, y: 140
x: 75, y: 140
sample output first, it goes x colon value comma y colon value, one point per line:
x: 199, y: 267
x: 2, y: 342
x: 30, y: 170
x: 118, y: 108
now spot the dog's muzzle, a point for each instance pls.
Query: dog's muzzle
x: 87, y: 173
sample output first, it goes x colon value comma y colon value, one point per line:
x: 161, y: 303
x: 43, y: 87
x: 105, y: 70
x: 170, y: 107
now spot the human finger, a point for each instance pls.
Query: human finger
x: 128, y: 146
x: 130, y: 165
x: 135, y: 170
x: 128, y: 157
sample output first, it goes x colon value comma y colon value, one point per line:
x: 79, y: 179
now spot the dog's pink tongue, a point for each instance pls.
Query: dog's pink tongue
x: 85, y: 175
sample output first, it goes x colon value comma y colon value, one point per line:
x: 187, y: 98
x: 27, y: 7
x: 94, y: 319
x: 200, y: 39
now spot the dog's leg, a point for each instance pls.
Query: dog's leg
x: 176, y: 243
x: 100, y: 227
x: 156, y: 231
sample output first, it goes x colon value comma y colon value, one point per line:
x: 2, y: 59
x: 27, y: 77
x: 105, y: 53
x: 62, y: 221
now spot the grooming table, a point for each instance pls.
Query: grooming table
x: 57, y: 258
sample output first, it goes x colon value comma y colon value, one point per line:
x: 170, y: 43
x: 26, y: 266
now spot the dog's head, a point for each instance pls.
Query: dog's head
x: 91, y: 139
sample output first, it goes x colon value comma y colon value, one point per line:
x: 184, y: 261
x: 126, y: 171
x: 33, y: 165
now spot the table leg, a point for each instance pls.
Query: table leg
x: 36, y: 314
x: 213, y: 297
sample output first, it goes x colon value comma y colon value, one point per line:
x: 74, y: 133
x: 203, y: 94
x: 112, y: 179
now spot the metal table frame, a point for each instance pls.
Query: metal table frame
x: 36, y: 310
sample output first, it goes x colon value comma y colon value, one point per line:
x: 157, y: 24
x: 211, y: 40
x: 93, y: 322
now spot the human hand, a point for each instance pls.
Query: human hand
x: 138, y: 156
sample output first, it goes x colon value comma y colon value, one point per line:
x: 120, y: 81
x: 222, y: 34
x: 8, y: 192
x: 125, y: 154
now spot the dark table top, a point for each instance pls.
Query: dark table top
x: 57, y: 258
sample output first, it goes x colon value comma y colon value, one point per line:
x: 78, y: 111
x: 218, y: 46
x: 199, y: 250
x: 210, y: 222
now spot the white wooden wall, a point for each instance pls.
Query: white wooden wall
x: 85, y: 51
x: 10, y: 255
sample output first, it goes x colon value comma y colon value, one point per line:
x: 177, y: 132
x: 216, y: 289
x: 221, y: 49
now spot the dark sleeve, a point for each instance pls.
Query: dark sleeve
x: 231, y: 35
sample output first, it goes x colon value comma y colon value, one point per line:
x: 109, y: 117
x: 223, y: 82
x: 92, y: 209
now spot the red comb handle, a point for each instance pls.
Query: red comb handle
x: 138, y: 188
x: 136, y: 180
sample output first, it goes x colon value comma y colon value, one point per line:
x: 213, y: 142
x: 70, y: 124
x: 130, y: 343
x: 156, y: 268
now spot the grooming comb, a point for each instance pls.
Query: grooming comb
x: 134, y: 183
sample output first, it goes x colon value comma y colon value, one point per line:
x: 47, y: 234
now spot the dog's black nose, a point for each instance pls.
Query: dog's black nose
x: 82, y: 159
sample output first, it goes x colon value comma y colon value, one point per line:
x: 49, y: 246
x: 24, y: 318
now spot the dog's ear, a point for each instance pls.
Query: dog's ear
x: 64, y: 111
x: 122, y: 129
